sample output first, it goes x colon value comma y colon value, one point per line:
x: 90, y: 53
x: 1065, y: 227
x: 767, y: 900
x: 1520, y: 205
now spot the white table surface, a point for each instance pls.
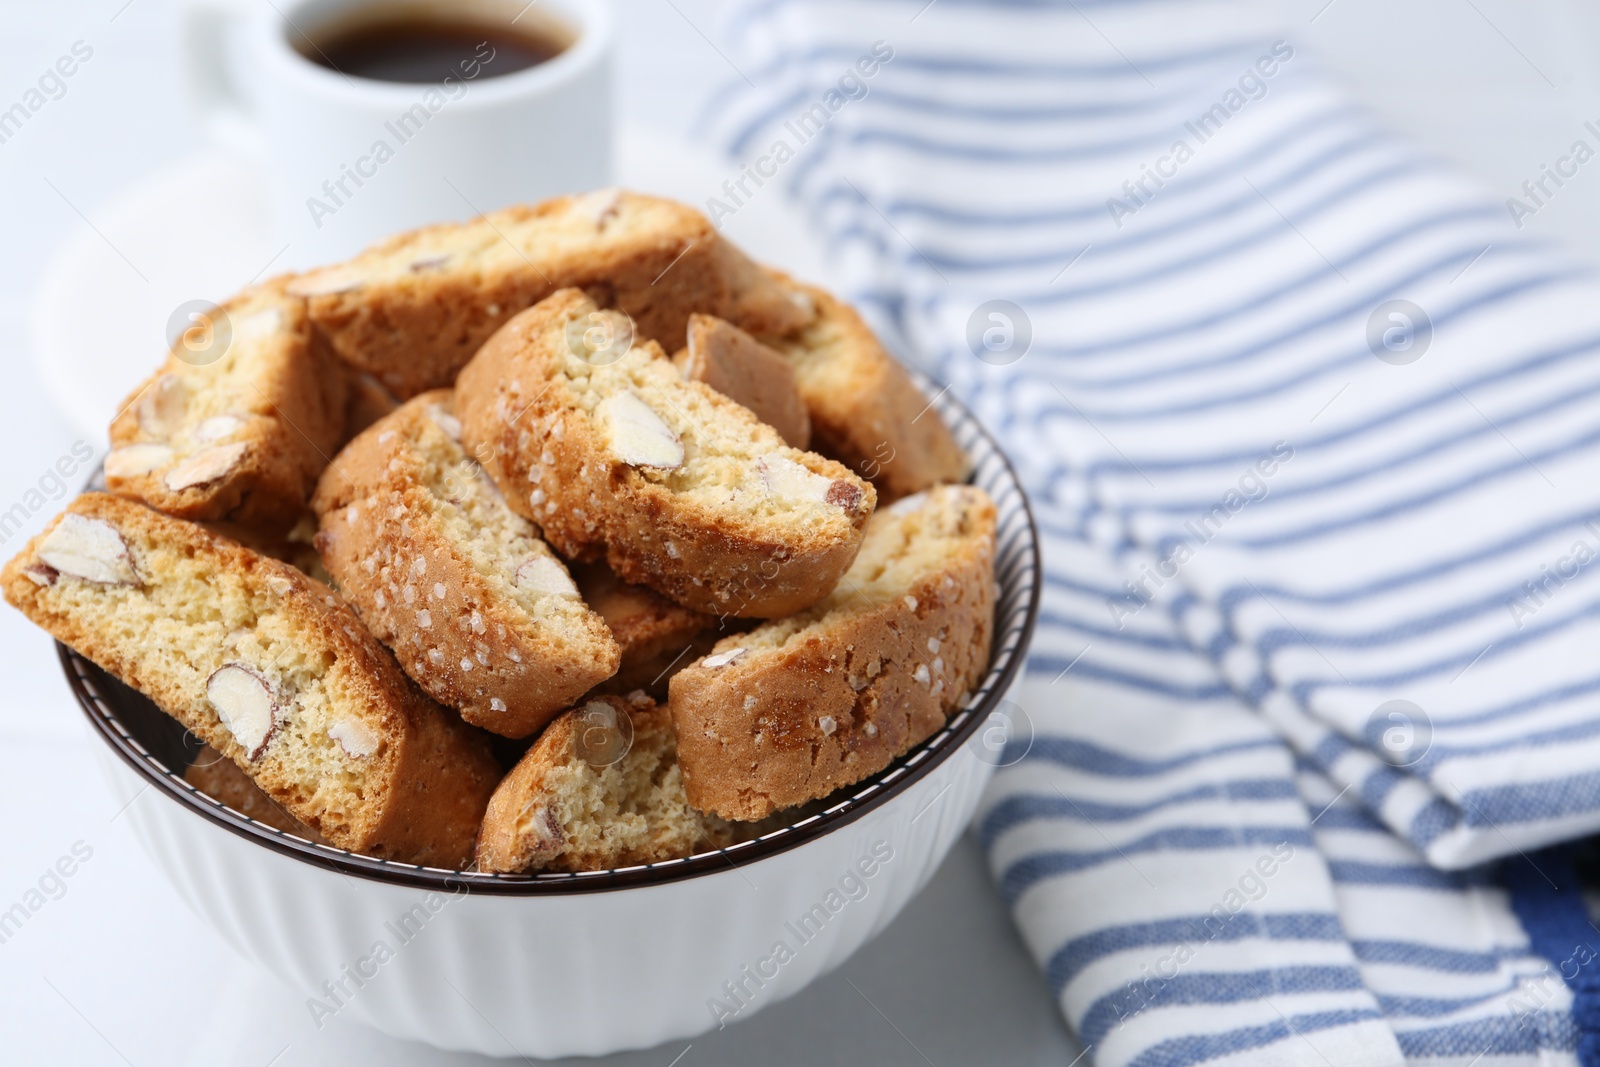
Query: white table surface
x: 118, y: 971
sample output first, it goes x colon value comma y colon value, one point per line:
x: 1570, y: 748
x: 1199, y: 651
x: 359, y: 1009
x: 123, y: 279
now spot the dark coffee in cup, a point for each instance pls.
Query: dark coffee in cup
x: 425, y: 44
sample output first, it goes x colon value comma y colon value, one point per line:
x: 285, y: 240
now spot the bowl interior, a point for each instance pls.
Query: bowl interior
x: 159, y: 749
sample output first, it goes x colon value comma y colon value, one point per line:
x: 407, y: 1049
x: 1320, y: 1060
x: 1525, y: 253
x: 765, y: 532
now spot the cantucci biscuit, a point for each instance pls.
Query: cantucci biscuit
x: 266, y: 666
x: 599, y: 789
x: 654, y: 635
x: 219, y: 778
x: 741, y: 368
x: 474, y: 604
x: 799, y: 707
x: 239, y: 421
x: 413, y: 310
x: 865, y: 410
x: 612, y: 453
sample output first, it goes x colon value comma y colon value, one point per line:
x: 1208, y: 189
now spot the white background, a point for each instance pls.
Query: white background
x: 117, y: 971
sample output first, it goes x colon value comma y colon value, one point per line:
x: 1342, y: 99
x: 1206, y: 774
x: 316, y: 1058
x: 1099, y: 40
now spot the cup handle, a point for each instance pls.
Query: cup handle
x: 210, y: 36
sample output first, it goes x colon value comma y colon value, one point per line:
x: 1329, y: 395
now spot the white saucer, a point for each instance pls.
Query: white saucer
x: 201, y: 228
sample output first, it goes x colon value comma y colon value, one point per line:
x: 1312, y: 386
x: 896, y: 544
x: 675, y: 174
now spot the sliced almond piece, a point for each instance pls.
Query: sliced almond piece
x: 326, y: 282
x: 246, y: 705
x: 846, y: 495
x: 636, y: 433
x: 802, y: 300
x: 40, y: 574
x: 446, y: 422
x: 723, y: 659
x: 218, y: 428
x: 789, y: 480
x: 133, y: 460
x: 91, y: 549
x: 429, y: 262
x: 600, y: 205
x: 539, y: 834
x: 258, y: 324
x: 355, y: 737
x: 544, y: 575
x: 162, y: 404
x: 204, y: 466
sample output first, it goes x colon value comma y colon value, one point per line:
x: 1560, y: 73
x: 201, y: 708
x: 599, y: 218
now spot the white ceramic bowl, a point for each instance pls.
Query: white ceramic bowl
x: 585, y: 964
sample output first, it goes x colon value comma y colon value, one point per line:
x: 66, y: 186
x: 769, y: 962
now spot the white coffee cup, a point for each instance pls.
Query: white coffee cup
x: 353, y: 160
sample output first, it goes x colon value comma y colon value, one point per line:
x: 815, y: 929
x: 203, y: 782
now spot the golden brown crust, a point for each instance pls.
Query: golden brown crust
x: 432, y: 597
x: 368, y: 400
x: 508, y: 841
x: 523, y: 417
x: 219, y: 778
x: 865, y: 410
x: 278, y: 389
x: 599, y: 789
x: 837, y: 696
x: 654, y: 634
x: 427, y: 777
x: 412, y: 310
x: 748, y: 372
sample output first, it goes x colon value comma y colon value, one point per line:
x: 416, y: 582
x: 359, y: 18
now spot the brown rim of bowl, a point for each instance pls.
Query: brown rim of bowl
x: 1018, y: 577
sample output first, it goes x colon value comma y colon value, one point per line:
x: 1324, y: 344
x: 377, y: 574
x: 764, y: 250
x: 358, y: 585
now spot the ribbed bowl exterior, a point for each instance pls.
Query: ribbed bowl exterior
x: 561, y: 975
x: 561, y: 965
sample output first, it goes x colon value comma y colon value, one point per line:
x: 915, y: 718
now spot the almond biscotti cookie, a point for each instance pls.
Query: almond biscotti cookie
x: 266, y: 666
x: 600, y: 789
x: 799, y: 707
x: 219, y: 778
x: 611, y: 452
x: 743, y: 369
x: 653, y: 634
x: 368, y: 402
x: 865, y: 410
x: 413, y: 310
x: 238, y: 422
x: 477, y: 608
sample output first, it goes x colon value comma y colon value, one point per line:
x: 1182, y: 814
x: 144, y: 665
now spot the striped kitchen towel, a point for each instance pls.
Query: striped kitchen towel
x: 1309, y: 428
